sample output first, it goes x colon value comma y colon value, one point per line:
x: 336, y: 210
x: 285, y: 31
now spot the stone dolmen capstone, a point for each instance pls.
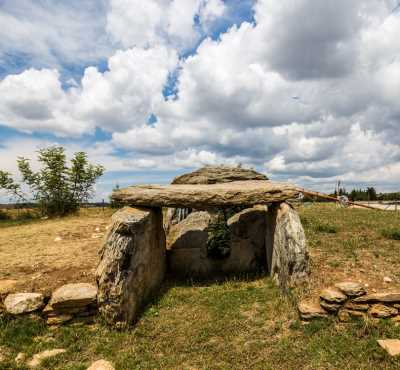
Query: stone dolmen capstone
x: 264, y: 232
x: 203, y: 196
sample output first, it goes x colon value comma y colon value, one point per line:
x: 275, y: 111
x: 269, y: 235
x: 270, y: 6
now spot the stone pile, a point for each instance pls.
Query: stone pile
x: 349, y: 300
x: 70, y: 301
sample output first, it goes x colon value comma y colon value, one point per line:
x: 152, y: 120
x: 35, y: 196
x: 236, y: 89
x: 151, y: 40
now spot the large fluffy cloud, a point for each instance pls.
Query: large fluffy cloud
x: 52, y: 33
x: 161, y: 21
x: 308, y: 91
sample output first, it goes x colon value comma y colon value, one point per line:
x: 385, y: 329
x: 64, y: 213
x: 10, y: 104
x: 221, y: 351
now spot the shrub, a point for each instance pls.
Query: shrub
x: 393, y: 234
x: 219, y: 238
x: 26, y: 216
x: 4, y: 216
x: 57, y: 188
x: 325, y: 228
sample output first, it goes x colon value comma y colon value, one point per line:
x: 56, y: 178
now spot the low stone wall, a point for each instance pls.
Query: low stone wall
x: 70, y: 302
x: 347, y: 300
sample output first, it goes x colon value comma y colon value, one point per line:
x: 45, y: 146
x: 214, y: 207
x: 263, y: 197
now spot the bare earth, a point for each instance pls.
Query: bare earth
x: 34, y: 255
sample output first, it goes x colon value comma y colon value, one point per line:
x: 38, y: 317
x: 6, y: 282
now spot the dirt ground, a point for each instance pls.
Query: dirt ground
x: 45, y: 254
x: 345, y: 244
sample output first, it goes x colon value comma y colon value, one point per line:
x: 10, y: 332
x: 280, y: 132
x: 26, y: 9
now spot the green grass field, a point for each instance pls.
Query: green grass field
x: 243, y: 322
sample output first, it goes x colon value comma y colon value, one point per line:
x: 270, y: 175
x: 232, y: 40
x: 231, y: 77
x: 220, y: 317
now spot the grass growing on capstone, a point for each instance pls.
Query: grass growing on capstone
x: 241, y: 323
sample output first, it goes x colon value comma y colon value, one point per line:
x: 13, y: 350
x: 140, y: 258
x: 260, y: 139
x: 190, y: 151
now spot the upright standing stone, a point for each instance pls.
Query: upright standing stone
x: 286, y: 247
x: 132, y: 264
x: 247, y: 246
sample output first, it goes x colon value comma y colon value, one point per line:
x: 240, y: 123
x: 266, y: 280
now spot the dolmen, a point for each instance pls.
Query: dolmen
x: 166, y: 228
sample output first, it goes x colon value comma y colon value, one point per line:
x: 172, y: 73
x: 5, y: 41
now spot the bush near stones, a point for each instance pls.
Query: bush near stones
x: 393, y: 234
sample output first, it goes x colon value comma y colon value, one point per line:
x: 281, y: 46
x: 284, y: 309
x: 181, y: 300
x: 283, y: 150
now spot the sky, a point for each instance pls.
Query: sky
x: 305, y: 91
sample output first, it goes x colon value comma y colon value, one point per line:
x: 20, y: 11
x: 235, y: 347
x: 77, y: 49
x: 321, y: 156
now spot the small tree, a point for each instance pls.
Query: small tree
x: 56, y: 188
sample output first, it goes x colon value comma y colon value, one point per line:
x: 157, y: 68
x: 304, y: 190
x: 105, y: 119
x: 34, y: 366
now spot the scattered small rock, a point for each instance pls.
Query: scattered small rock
x: 59, y: 319
x: 58, y: 239
x: 330, y: 307
x: 101, y: 365
x: 356, y: 306
x: 391, y: 346
x: 73, y: 295
x: 311, y: 310
x: 345, y: 315
x: 20, y: 358
x: 396, y: 319
x: 20, y: 303
x: 40, y: 357
x: 381, y: 311
x: 350, y: 288
x: 387, y: 279
x: 332, y: 295
x: 2, y: 354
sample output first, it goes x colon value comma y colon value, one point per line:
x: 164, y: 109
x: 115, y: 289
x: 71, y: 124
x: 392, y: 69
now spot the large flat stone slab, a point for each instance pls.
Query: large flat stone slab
x: 203, y: 196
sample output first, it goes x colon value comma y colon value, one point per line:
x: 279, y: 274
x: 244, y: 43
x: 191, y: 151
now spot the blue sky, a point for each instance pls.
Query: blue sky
x: 155, y: 89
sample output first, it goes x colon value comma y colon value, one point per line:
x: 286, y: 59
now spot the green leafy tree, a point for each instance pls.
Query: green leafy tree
x: 57, y: 188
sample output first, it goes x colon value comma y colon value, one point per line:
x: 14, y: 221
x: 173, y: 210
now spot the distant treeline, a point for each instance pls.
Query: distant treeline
x: 34, y: 205
x: 368, y: 194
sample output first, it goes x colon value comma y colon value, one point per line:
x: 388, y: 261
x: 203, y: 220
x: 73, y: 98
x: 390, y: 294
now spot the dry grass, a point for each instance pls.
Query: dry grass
x: 349, y: 244
x: 33, y: 254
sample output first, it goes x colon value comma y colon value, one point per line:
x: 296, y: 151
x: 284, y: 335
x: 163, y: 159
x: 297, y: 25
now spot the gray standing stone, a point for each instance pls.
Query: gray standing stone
x: 132, y: 264
x: 247, y: 229
x: 189, y: 233
x: 286, y: 247
x: 187, y: 247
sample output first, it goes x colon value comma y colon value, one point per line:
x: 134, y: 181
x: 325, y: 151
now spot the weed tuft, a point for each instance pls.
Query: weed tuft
x: 325, y: 228
x: 393, y: 234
